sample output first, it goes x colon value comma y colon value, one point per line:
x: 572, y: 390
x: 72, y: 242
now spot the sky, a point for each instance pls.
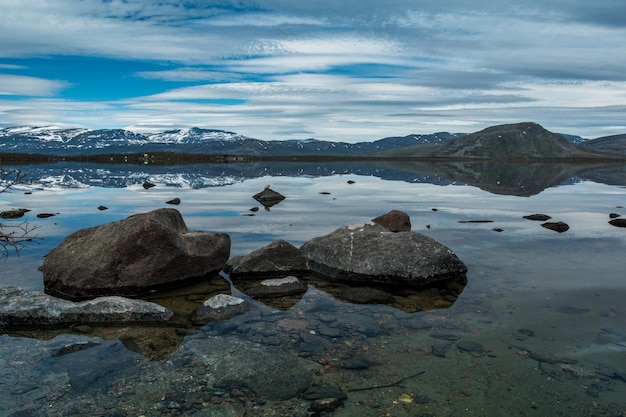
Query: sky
x: 343, y: 70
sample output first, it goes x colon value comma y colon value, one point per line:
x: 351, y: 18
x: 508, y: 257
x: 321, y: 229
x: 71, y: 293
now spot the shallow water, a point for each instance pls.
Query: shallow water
x: 546, y: 309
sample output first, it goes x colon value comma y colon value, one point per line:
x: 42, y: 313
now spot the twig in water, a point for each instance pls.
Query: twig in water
x: 393, y: 384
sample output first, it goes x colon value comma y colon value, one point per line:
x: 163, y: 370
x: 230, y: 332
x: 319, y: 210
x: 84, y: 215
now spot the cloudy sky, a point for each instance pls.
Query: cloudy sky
x: 331, y: 69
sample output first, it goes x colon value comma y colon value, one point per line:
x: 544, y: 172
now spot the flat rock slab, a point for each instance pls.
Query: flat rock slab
x: 371, y: 253
x: 133, y: 257
x: 19, y: 308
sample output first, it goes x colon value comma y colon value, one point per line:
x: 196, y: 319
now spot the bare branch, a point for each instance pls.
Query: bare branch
x: 13, y: 237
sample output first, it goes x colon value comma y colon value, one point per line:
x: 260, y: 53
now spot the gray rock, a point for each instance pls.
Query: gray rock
x: 19, y: 307
x: 371, y: 253
x: 277, y: 287
x: 272, y: 374
x: 222, y: 307
x: 395, y: 221
x: 133, y: 257
x: 277, y: 259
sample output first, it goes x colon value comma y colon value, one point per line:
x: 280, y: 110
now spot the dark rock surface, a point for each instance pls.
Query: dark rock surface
x: 133, y: 257
x: 19, y: 308
x: 395, y: 221
x: 559, y: 227
x: 13, y: 214
x: 618, y: 222
x: 370, y: 253
x: 538, y: 217
x: 277, y: 259
x: 268, y: 197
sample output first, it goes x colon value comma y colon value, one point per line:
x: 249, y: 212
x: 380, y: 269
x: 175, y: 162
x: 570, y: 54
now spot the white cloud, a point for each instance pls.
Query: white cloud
x: 20, y: 85
x: 352, y: 70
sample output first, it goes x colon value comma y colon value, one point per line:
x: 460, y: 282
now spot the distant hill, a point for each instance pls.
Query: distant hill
x: 611, y: 144
x: 520, y: 140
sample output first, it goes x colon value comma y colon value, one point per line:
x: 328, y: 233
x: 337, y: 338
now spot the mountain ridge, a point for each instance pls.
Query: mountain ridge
x: 519, y: 140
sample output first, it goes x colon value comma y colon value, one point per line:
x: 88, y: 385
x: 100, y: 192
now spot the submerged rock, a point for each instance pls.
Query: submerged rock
x: 271, y: 373
x: 19, y: 307
x: 277, y: 259
x: 277, y: 287
x: 371, y: 253
x: 222, y: 307
x: 133, y: 257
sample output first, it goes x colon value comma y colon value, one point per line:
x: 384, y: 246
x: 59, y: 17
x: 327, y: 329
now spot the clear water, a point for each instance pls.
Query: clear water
x: 547, y: 309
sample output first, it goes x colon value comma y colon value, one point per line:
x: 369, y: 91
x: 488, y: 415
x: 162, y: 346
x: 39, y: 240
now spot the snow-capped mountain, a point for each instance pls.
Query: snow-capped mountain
x: 54, y: 140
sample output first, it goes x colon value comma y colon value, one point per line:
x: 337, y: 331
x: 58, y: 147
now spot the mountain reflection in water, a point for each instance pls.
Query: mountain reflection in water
x: 498, y: 177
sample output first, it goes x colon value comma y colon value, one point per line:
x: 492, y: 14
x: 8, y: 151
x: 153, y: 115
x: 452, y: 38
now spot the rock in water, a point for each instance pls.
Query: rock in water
x: 558, y: 227
x: 371, y: 253
x: 395, y: 221
x: 30, y: 308
x: 277, y: 259
x: 133, y: 257
x: 268, y: 197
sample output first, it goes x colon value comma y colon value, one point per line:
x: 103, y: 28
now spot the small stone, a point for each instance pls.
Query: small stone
x: 148, y: 185
x: 470, y: 346
x: 174, y: 201
x: 350, y: 182
x: 222, y: 307
x: 13, y: 214
x: 45, y: 215
x: 620, y: 222
x: 538, y: 217
x: 613, y: 215
x: 558, y: 227
x: 102, y: 208
x: 394, y: 221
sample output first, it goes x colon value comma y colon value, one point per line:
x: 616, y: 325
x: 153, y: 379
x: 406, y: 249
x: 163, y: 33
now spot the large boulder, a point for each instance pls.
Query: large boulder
x: 19, y: 308
x: 277, y: 259
x: 372, y: 253
x: 133, y: 257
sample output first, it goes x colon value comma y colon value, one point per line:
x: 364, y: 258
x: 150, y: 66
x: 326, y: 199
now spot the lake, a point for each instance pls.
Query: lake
x: 536, y: 328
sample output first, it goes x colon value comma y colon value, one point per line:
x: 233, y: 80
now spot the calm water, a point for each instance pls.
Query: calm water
x: 546, y: 309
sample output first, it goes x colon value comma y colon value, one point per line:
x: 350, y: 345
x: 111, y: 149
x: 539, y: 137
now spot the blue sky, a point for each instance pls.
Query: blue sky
x: 335, y: 70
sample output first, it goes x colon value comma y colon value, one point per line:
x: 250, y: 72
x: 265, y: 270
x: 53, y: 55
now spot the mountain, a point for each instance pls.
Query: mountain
x: 520, y: 140
x: 612, y: 144
x: 58, y: 141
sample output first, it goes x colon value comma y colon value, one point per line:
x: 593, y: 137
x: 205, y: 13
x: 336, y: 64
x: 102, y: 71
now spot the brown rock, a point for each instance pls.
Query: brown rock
x: 394, y: 221
x: 559, y: 227
x: 133, y: 257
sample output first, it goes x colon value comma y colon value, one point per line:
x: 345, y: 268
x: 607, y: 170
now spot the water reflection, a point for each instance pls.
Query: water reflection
x: 487, y: 345
x: 498, y: 177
